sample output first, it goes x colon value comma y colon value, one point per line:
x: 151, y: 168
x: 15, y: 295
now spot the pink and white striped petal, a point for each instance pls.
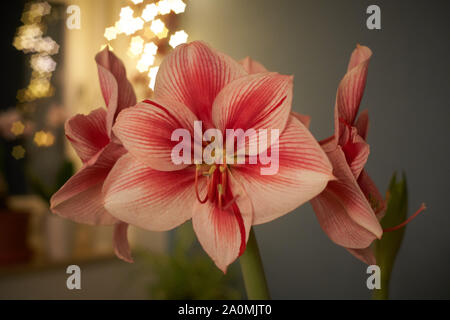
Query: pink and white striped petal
x: 362, y: 124
x: 304, y: 171
x: 252, y: 66
x: 80, y: 199
x: 351, y: 88
x: 337, y: 223
x: 146, y: 129
x: 120, y: 242
x: 372, y: 194
x: 194, y: 74
x: 219, y: 231
x: 366, y: 255
x: 117, y: 91
x: 348, y: 199
x: 254, y: 102
x: 87, y: 133
x: 150, y: 199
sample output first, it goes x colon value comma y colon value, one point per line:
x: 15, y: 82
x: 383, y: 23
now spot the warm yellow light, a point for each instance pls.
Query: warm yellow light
x: 145, y: 62
x: 137, y: 1
x: 126, y: 13
x: 150, y: 12
x: 157, y: 26
x: 111, y: 33
x: 17, y: 128
x: 151, y: 48
x: 152, y: 75
x: 177, y: 6
x: 44, y: 139
x: 42, y: 63
x: 178, y: 38
x: 136, y: 46
x: 47, y: 45
x: 164, y: 7
x: 18, y: 152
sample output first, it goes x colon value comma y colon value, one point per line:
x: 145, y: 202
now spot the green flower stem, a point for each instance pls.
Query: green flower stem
x: 383, y: 293
x: 253, y: 271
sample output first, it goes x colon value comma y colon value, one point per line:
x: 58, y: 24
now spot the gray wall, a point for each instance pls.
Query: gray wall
x: 407, y: 98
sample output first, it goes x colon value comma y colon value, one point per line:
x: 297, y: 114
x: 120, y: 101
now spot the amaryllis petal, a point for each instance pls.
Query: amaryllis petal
x: 359, y: 55
x: 362, y: 124
x: 87, y: 133
x: 193, y: 74
x: 336, y: 222
x: 80, y: 198
x: 252, y: 66
x: 351, y: 89
x: 146, y: 129
x: 116, y: 89
x: 372, y: 194
x: 349, y: 195
x: 147, y: 198
x: 258, y: 101
x: 120, y: 242
x: 220, y: 231
x: 356, y: 151
x: 366, y: 255
x: 306, y: 120
x: 304, y: 171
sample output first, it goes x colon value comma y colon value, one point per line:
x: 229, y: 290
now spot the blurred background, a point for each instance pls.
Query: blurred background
x: 48, y: 50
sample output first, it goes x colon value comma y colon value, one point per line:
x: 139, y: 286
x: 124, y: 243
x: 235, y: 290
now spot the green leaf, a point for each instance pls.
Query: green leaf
x: 387, y: 248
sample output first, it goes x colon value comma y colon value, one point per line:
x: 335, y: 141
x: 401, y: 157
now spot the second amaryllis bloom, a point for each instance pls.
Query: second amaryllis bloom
x: 196, y: 83
x: 349, y: 209
x: 80, y: 199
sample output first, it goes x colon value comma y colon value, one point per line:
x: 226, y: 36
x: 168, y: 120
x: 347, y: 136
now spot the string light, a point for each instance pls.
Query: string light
x: 150, y: 12
x: 44, y: 139
x: 17, y: 128
x: 145, y: 21
x: 178, y: 38
x: 18, y: 152
x: 29, y: 39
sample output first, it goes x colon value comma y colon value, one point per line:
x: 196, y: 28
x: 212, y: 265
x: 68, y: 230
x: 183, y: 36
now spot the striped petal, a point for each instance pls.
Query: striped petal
x: 87, y: 133
x: 116, y: 89
x: 222, y: 232
x: 151, y: 199
x: 366, y: 255
x: 146, y: 129
x: 193, y: 74
x: 259, y: 101
x: 304, y: 171
x: 372, y: 194
x: 351, y: 88
x: 342, y: 209
x: 252, y: 66
x: 356, y: 150
x: 120, y: 242
x: 362, y: 124
x: 80, y: 199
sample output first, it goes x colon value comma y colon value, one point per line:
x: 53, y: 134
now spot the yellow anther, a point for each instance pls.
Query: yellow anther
x: 220, y: 189
x: 212, y: 169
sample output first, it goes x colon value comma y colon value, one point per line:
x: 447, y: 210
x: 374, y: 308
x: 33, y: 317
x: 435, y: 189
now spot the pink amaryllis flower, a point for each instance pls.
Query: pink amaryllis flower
x: 349, y: 209
x: 145, y: 188
x: 80, y: 198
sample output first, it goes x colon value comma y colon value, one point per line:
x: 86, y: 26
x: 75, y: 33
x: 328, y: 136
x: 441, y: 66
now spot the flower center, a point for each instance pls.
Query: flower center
x: 219, y: 193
